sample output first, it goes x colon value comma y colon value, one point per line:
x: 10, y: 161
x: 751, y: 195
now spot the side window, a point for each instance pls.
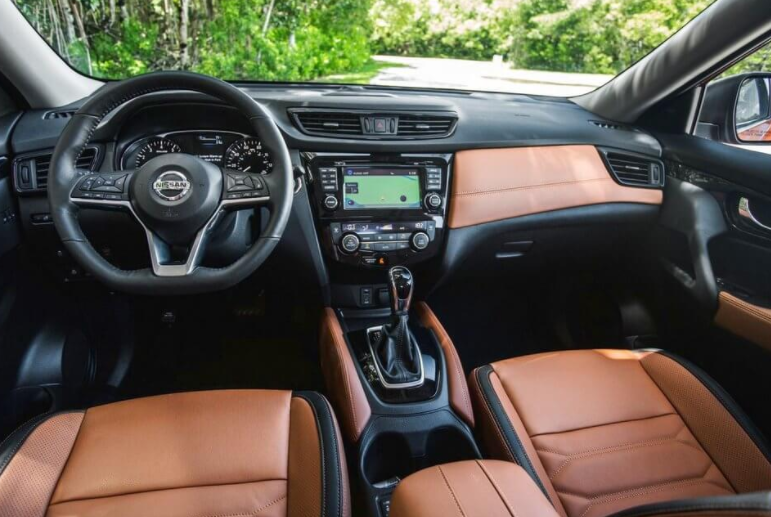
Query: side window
x: 6, y: 103
x: 737, y: 105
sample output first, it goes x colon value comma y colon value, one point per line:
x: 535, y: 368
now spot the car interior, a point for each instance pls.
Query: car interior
x: 231, y: 299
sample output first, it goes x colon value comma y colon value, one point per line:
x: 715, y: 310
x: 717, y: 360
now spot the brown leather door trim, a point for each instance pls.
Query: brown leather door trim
x: 494, y: 184
x: 744, y: 319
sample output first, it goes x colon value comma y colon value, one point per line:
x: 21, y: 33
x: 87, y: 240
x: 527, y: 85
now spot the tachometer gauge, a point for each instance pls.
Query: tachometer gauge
x: 247, y: 155
x: 155, y: 147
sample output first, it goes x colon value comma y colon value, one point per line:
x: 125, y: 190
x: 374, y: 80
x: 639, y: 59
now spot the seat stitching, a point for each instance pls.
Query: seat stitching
x: 646, y: 490
x: 169, y: 489
x: 452, y: 493
x: 603, y: 425
x: 497, y: 489
x: 252, y: 513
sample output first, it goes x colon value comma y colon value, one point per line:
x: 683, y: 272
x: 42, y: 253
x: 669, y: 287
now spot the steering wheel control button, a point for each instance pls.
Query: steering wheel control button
x: 420, y: 241
x: 350, y: 243
x: 330, y: 203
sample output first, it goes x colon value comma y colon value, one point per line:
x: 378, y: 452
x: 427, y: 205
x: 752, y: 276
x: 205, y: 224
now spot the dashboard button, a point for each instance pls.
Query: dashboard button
x: 330, y: 203
x: 420, y: 241
x: 350, y: 243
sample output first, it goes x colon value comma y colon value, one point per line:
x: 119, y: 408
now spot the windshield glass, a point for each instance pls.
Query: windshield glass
x: 546, y: 47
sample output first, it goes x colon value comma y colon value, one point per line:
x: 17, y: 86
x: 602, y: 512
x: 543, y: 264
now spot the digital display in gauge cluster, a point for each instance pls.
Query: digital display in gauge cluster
x: 230, y: 150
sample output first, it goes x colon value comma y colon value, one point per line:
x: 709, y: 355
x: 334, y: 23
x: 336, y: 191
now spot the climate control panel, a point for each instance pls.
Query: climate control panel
x: 381, y: 243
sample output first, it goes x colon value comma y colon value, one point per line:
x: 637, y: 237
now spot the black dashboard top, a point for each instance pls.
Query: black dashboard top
x: 485, y: 120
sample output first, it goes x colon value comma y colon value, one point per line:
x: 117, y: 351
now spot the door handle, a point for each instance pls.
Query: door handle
x: 746, y: 213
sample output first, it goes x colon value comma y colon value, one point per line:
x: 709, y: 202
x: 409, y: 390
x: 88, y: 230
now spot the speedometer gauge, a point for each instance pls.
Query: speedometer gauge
x: 155, y: 147
x: 247, y: 155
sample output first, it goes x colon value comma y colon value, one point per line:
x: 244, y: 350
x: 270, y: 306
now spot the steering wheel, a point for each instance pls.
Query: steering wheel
x: 177, y: 198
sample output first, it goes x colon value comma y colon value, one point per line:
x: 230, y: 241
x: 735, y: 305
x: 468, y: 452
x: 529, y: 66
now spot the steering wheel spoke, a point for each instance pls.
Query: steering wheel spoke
x: 167, y: 261
x: 245, y: 190
x: 102, y: 189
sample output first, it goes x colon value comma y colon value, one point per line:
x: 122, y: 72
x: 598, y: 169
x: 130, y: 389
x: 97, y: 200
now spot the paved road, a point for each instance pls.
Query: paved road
x: 482, y: 75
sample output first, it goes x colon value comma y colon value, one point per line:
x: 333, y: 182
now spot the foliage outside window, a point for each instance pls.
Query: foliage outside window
x: 309, y: 40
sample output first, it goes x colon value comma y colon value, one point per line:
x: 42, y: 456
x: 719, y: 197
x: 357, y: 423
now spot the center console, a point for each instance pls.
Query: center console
x: 376, y: 211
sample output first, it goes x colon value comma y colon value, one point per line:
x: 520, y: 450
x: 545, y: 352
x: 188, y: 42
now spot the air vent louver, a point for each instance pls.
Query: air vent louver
x: 32, y: 172
x: 425, y: 125
x: 374, y: 125
x: 329, y: 123
x: 634, y: 170
x: 610, y: 125
x: 62, y: 114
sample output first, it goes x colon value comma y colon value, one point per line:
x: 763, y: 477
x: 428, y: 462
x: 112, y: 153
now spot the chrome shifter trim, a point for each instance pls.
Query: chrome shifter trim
x: 400, y: 386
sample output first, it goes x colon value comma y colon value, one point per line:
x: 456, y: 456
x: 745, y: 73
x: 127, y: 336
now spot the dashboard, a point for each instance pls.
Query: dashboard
x: 364, y: 203
x: 228, y: 149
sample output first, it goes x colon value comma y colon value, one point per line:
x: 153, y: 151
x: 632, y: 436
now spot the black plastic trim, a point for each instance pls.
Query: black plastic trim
x: 332, y: 482
x: 503, y: 423
x: 759, y: 502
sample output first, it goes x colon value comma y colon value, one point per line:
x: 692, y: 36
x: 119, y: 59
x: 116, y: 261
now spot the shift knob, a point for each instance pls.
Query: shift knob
x: 400, y: 289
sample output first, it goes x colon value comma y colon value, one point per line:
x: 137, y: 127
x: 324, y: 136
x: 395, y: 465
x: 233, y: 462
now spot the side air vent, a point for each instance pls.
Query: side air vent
x: 633, y: 169
x: 369, y: 125
x: 426, y: 125
x: 329, y: 123
x: 31, y: 172
x: 60, y: 114
x: 610, y: 125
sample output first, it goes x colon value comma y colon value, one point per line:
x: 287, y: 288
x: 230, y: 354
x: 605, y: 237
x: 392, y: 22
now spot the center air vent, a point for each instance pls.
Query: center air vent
x: 374, y: 125
x: 633, y: 169
x: 31, y: 172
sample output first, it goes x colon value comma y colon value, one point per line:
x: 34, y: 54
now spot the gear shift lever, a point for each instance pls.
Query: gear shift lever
x: 396, y: 354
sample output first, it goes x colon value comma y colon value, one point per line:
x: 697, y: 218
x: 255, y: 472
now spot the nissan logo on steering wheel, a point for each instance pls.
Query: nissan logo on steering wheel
x: 172, y: 186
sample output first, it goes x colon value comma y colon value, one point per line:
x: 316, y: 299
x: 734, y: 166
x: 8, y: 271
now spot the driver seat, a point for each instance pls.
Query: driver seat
x: 228, y: 453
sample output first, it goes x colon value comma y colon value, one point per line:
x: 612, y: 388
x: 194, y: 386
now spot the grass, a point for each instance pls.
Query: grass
x: 362, y: 76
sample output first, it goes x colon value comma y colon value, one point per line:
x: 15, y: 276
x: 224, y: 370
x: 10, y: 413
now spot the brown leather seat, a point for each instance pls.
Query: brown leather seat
x: 204, y: 454
x: 607, y: 430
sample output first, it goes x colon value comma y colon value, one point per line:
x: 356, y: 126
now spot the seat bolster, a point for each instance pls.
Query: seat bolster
x: 757, y: 504
x: 503, y: 434
x: 471, y: 489
x: 31, y: 461
x: 717, y: 422
x: 318, y: 476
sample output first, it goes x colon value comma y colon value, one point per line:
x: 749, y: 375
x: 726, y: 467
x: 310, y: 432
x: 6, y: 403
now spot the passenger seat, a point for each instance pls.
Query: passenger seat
x: 606, y: 431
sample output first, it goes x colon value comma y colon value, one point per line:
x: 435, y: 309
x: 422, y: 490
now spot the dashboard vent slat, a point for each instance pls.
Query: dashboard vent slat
x: 634, y: 170
x: 60, y: 114
x: 31, y: 172
x: 370, y: 125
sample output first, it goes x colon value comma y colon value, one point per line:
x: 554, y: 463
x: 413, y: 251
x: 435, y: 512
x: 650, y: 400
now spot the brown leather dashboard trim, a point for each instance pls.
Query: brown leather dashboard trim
x: 744, y: 319
x: 494, y: 184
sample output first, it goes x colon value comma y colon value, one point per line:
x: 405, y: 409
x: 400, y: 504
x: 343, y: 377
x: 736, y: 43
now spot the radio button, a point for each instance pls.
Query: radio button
x: 350, y: 243
x: 330, y: 203
x: 420, y: 241
x: 433, y: 201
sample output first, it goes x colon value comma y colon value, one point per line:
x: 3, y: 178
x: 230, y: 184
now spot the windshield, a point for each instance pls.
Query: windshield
x: 546, y: 47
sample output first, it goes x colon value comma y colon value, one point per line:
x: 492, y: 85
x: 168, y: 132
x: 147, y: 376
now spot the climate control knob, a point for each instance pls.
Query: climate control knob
x: 433, y: 201
x: 420, y: 241
x: 330, y: 203
x: 350, y: 243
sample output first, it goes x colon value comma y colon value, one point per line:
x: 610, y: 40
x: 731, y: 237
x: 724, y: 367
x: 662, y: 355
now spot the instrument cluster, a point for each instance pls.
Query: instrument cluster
x: 236, y: 151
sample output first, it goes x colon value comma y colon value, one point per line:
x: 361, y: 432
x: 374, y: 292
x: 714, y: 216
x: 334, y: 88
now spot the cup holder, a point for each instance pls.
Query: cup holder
x: 392, y: 455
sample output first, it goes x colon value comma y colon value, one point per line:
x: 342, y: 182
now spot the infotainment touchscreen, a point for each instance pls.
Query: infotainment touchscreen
x: 371, y: 188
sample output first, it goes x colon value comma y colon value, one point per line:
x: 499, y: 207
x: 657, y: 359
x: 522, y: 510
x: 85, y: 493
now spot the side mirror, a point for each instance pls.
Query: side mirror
x: 737, y: 110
